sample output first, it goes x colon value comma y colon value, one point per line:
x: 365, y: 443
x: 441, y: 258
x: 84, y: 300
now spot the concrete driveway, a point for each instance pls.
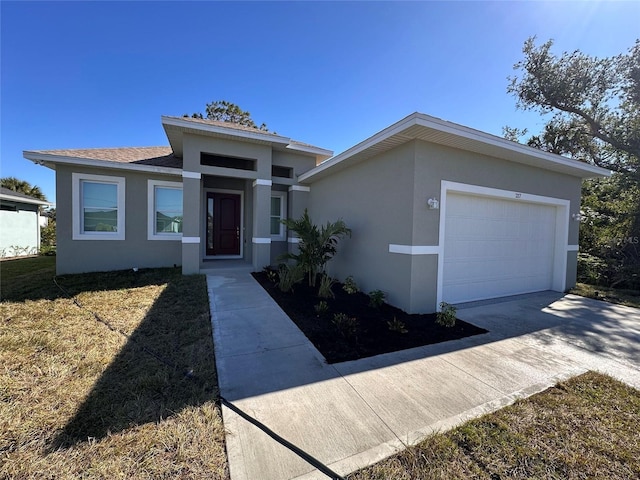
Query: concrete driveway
x: 352, y: 414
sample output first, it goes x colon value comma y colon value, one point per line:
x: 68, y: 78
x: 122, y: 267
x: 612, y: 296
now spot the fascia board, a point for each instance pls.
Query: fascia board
x: 483, y: 137
x: 11, y: 198
x: 263, y: 137
x: 43, y: 158
x: 360, y: 147
x: 321, y: 152
x: 583, y: 170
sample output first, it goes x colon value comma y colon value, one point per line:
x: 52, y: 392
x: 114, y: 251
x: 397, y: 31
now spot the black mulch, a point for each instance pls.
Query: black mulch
x: 372, y: 335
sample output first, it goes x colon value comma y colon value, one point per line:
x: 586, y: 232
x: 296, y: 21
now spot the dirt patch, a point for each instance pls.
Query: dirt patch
x: 374, y: 331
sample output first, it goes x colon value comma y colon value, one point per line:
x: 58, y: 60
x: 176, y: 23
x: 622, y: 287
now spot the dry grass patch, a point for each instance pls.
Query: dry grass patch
x: 78, y: 400
x: 586, y: 427
x: 630, y: 298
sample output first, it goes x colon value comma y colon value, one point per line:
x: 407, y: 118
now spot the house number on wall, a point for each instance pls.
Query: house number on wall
x: 518, y: 195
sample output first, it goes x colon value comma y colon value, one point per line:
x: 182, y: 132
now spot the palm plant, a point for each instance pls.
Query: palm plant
x: 317, y: 244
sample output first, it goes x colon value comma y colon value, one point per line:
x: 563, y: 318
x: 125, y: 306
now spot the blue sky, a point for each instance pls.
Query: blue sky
x: 100, y: 74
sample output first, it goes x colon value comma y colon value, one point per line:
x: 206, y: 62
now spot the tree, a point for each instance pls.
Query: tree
x: 317, y: 245
x: 21, y: 186
x: 224, y: 111
x: 594, y: 108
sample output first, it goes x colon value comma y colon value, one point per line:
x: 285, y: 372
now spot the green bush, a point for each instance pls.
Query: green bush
x: 325, y: 287
x: 397, y: 326
x: 350, y: 286
x: 321, y: 308
x: 317, y: 245
x: 288, y: 276
x: 376, y: 298
x: 447, y: 315
x: 347, y: 325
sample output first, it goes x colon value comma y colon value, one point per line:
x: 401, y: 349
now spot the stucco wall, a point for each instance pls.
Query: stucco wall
x: 19, y: 230
x: 384, y: 201
x: 375, y: 199
x: 75, y: 256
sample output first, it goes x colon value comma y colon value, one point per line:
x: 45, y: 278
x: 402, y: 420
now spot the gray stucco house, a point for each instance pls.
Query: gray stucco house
x: 20, y: 223
x: 439, y: 211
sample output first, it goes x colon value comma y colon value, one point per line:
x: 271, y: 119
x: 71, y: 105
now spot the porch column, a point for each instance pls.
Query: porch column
x: 191, y: 205
x: 298, y: 201
x: 261, y: 241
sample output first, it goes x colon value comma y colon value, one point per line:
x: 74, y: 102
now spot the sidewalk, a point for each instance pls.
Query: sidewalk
x: 352, y: 414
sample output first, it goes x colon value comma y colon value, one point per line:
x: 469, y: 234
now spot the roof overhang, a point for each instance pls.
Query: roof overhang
x: 176, y: 127
x: 19, y: 199
x: 50, y: 161
x: 418, y: 126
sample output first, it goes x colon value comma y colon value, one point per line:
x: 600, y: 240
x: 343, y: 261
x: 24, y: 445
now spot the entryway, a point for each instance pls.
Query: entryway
x: 223, y: 221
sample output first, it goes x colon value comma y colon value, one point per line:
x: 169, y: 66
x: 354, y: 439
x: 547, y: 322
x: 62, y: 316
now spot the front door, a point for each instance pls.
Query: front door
x: 223, y: 224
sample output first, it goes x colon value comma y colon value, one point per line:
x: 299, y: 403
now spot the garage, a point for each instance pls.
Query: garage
x: 495, y: 247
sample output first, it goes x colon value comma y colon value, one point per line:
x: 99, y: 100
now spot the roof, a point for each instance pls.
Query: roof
x: 175, y: 127
x: 157, y: 159
x: 419, y: 126
x: 8, y: 194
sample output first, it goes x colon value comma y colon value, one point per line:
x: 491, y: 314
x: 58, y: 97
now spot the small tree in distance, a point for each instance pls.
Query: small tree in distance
x: 223, y: 111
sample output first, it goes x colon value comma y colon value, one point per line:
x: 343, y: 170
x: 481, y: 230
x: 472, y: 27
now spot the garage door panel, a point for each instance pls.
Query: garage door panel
x: 495, y: 247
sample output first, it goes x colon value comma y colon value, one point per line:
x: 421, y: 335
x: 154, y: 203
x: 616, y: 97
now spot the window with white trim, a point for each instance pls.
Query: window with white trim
x: 164, y: 210
x: 98, y: 207
x: 278, y: 213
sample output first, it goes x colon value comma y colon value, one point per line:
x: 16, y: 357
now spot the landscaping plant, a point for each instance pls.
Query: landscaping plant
x: 397, y: 326
x: 350, y: 286
x: 321, y: 308
x: 317, y: 244
x: 325, y: 287
x: 346, y: 324
x: 288, y: 276
x: 376, y: 298
x: 447, y: 315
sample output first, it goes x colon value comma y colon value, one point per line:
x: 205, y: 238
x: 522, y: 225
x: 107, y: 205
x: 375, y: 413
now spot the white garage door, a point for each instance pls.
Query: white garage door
x: 496, y: 247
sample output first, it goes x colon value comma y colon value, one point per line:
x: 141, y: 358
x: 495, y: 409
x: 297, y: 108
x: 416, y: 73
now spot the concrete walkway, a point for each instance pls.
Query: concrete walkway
x: 352, y: 414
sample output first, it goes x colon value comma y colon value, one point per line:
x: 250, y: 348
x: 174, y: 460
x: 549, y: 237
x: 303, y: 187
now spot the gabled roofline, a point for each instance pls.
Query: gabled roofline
x: 469, y: 135
x: 50, y: 160
x: 241, y: 133
x: 17, y: 199
x: 257, y: 135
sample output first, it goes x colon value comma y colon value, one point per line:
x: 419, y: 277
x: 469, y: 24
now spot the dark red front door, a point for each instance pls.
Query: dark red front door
x: 223, y: 224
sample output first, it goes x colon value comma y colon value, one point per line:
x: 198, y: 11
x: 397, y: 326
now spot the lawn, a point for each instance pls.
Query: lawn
x: 586, y: 427
x: 630, y: 298
x: 80, y: 400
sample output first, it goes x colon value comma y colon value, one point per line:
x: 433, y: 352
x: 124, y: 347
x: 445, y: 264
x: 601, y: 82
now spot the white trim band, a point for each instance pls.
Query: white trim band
x: 196, y: 175
x: 299, y: 188
x: 573, y: 248
x: 260, y: 240
x: 262, y: 181
x: 414, y: 249
x: 190, y: 239
x: 293, y: 240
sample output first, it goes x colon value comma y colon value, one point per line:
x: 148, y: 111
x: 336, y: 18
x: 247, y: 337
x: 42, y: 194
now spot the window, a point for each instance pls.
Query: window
x: 278, y: 213
x: 283, y: 172
x: 164, y: 212
x: 98, y: 207
x: 211, y: 160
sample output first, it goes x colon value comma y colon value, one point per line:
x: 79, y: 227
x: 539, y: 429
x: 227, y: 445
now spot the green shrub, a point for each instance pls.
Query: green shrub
x: 321, y: 308
x: 272, y: 276
x: 447, y: 315
x: 48, y: 250
x: 350, y: 286
x: 397, y: 326
x: 288, y: 276
x: 325, y: 287
x: 376, y: 298
x: 317, y: 245
x: 347, y: 325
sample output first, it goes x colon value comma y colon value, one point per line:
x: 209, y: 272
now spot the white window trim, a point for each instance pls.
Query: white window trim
x: 282, y: 236
x: 151, y: 210
x: 77, y: 232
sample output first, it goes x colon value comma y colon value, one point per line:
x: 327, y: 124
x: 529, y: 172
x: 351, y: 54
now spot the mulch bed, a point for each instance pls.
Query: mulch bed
x: 371, y: 335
